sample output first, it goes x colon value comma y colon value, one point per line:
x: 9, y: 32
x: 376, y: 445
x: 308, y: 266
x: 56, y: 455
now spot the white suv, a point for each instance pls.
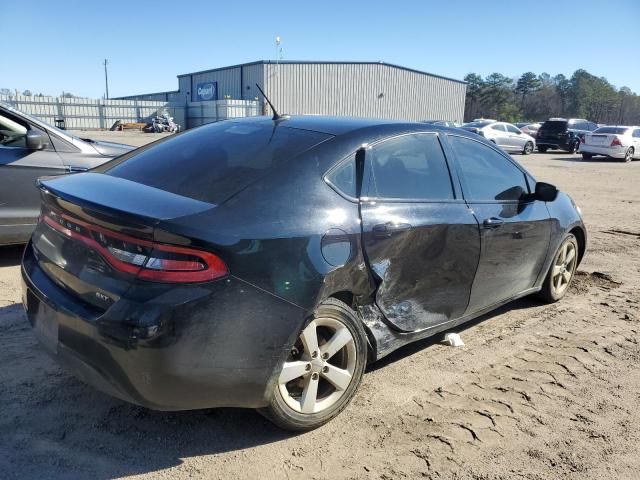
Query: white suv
x: 613, y: 142
x: 505, y: 135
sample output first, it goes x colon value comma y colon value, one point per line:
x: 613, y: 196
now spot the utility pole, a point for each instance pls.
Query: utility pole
x: 106, y: 78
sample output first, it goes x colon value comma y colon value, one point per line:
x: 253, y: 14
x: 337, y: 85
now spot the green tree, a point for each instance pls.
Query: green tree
x: 475, y: 84
x: 563, y: 87
x: 527, y: 83
x: 496, y: 94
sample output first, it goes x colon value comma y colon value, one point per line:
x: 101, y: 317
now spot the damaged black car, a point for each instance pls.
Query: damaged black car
x: 264, y: 263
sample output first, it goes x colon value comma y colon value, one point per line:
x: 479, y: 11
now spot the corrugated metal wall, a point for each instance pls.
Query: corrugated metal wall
x: 352, y: 89
x: 228, y: 82
x: 363, y: 90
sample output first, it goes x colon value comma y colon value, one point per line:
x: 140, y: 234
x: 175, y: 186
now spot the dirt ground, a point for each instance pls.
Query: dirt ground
x: 538, y: 392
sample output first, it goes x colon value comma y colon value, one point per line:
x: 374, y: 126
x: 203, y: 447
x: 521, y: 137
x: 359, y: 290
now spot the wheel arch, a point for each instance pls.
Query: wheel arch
x: 581, y: 238
x: 350, y: 299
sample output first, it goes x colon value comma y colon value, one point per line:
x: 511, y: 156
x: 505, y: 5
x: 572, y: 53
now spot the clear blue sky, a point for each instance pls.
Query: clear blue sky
x: 54, y: 46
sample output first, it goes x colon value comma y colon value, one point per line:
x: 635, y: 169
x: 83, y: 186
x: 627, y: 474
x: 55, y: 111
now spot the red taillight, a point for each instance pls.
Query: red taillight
x: 144, y: 259
x: 582, y: 139
x: 616, y: 142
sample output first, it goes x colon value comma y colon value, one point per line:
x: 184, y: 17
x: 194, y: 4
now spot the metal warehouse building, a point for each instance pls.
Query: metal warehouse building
x: 361, y: 89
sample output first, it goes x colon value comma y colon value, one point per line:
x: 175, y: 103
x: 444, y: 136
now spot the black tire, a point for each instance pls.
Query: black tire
x: 628, y: 156
x: 575, y: 146
x: 542, y: 149
x: 283, y: 415
x: 587, y: 156
x: 528, y: 148
x: 549, y: 293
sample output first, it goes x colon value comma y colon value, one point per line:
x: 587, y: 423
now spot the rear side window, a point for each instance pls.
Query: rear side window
x: 343, y: 177
x: 213, y: 162
x: 408, y: 167
x: 487, y: 176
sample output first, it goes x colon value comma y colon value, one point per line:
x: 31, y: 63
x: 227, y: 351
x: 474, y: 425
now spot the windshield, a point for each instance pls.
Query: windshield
x: 614, y: 130
x: 213, y: 162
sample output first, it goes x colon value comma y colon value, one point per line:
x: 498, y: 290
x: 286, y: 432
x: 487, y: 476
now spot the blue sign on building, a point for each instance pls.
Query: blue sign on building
x: 206, y: 91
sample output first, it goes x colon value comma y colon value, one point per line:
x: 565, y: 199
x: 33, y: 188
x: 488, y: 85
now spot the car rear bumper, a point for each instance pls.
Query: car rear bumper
x: 614, y: 152
x: 211, y: 345
x: 553, y: 144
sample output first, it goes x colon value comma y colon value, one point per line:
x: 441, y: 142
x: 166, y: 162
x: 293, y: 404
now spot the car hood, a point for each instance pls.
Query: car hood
x: 109, y: 149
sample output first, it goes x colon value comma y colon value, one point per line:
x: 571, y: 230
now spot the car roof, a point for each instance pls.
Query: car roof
x: 325, y: 124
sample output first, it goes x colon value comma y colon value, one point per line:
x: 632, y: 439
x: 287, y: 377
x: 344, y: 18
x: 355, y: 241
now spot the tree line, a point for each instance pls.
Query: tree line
x: 539, y: 97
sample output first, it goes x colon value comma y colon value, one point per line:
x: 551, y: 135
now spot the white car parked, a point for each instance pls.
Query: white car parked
x: 507, y: 136
x: 613, y: 142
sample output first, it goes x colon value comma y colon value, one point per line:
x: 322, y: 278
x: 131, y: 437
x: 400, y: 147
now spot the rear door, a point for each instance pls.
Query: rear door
x: 514, y: 229
x: 636, y: 142
x: 500, y: 136
x: 421, y: 240
x: 19, y: 169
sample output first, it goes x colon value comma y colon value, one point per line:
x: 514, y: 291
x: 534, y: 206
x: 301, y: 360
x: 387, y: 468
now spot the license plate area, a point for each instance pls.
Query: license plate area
x: 43, y: 320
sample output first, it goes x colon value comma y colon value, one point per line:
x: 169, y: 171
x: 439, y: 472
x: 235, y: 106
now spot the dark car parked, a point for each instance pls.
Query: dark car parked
x: 262, y: 264
x: 30, y: 148
x: 563, y: 134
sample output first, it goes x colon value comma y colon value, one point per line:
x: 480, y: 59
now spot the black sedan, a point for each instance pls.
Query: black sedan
x: 263, y: 264
x: 30, y: 148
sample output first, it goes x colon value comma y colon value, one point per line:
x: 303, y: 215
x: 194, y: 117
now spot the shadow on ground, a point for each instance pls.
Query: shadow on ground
x: 53, y: 423
x: 11, y: 255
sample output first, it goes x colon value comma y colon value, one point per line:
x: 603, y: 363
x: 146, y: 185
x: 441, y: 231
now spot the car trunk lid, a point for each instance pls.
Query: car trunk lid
x: 96, y: 232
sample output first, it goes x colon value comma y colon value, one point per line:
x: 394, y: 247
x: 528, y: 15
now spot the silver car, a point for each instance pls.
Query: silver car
x: 613, y: 142
x: 507, y: 136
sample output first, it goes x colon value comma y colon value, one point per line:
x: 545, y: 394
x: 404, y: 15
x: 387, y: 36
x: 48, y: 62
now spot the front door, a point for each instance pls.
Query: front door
x: 19, y: 169
x: 421, y: 240
x: 515, y: 230
x: 517, y: 139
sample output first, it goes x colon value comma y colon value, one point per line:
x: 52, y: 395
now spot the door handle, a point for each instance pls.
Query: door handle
x: 493, y: 222
x: 389, y: 228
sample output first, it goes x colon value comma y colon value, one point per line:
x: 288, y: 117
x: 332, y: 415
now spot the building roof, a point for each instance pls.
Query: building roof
x: 299, y: 62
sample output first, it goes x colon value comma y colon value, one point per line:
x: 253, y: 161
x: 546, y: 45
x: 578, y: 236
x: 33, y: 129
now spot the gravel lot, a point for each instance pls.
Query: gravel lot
x: 539, y: 391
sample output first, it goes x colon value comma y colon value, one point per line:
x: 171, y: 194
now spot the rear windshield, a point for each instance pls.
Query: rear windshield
x: 615, y: 130
x: 476, y: 124
x: 554, y: 126
x: 213, y: 162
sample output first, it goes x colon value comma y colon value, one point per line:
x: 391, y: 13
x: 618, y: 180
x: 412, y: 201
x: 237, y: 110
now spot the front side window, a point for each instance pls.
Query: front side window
x: 636, y: 133
x: 513, y: 129
x: 12, y: 133
x: 487, y: 176
x: 498, y: 127
x: 408, y: 167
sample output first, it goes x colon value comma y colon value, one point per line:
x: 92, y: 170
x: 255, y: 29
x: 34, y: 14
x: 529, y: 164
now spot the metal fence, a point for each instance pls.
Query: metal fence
x: 87, y: 113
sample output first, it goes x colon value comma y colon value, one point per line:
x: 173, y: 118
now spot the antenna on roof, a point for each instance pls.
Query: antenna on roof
x: 276, y: 115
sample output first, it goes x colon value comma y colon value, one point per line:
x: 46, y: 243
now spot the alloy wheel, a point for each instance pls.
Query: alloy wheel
x: 319, y: 368
x: 628, y: 156
x: 563, y: 268
x: 528, y: 148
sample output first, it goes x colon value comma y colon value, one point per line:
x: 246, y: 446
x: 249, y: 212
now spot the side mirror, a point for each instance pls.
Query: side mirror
x: 36, y: 140
x: 545, y: 192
